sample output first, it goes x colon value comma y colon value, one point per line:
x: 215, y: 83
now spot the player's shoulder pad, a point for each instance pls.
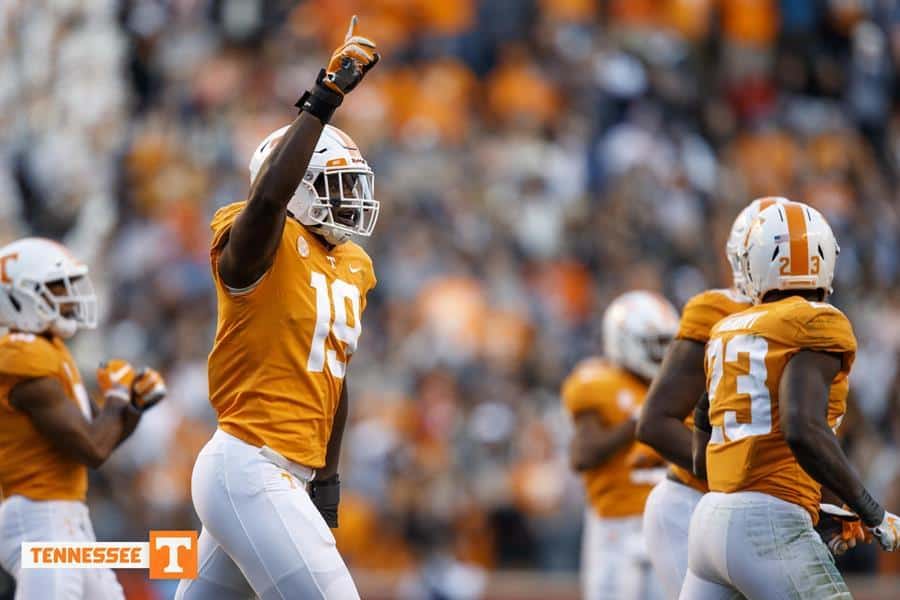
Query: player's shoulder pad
x: 222, y: 221
x: 28, y: 355
x: 592, y: 382
x: 823, y: 326
x: 706, y: 309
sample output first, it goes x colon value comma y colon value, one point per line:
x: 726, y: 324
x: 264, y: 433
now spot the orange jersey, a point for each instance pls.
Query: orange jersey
x: 30, y: 465
x: 745, y: 358
x: 699, y: 316
x: 283, y: 345
x: 614, y: 489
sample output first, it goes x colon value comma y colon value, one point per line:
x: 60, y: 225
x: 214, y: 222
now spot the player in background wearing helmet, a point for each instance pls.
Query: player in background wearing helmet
x: 50, y: 430
x: 666, y: 419
x: 291, y: 289
x: 603, y: 397
x: 777, y: 383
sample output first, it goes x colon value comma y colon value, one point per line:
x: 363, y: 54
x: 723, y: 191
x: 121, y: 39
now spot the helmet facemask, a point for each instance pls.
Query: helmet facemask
x: 337, y: 202
x: 67, y: 303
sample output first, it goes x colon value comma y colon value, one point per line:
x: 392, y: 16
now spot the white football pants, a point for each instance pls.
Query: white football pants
x: 614, y: 562
x: 262, y: 536
x: 24, y: 520
x: 667, y: 519
x: 755, y: 546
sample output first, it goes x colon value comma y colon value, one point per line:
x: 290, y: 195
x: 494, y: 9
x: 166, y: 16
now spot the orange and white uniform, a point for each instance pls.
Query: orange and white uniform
x: 43, y: 490
x: 30, y: 465
x: 283, y: 345
x: 756, y: 524
x: 276, y: 372
x: 745, y: 359
x: 614, y: 559
x: 667, y: 515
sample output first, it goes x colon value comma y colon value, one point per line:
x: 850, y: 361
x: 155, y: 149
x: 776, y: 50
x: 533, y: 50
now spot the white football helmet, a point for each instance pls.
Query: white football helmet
x: 637, y: 327
x: 789, y: 246
x: 336, y: 195
x: 44, y: 288
x: 735, y: 246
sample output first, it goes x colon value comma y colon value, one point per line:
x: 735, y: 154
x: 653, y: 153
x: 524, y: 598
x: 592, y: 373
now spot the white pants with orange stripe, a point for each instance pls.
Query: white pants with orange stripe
x: 262, y: 536
x: 755, y: 546
x: 614, y: 561
x: 667, y: 519
x: 24, y: 520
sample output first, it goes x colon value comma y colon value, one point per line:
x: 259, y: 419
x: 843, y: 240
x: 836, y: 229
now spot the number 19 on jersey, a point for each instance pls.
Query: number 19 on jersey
x: 341, y: 291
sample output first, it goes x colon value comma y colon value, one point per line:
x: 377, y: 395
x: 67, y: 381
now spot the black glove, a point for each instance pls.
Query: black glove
x: 326, y: 495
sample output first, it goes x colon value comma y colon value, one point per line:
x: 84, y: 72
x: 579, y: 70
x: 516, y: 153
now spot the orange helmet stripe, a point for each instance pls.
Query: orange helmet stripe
x: 766, y: 202
x: 796, y: 222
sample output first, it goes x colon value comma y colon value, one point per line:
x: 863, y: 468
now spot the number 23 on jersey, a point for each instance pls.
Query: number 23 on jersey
x: 731, y: 393
x: 333, y: 301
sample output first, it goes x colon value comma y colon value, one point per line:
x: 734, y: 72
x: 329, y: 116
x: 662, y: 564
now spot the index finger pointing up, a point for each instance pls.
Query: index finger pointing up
x: 351, y: 31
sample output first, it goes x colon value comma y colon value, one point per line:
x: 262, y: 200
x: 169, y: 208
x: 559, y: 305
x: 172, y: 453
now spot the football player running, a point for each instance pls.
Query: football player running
x: 603, y: 397
x: 777, y: 387
x: 291, y: 288
x: 50, y: 429
x: 667, y: 416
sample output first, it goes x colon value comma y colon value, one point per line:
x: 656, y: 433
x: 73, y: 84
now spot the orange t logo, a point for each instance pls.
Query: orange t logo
x: 173, y: 554
x: 4, y: 278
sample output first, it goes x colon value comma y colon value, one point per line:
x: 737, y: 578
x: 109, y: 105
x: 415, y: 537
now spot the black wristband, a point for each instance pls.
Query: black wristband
x: 701, y: 414
x: 320, y: 102
x: 870, y: 512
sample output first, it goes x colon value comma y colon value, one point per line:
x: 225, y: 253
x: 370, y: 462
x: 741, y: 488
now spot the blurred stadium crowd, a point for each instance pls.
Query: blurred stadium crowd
x: 534, y: 158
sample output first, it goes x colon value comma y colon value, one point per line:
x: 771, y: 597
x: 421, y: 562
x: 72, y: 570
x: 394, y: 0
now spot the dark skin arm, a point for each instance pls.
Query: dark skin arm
x: 699, y: 441
x: 250, y: 248
x: 333, y: 452
x: 594, y: 443
x: 803, y: 407
x: 60, y: 421
x: 671, y: 399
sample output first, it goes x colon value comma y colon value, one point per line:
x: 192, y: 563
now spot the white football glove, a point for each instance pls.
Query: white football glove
x: 888, y: 533
x: 841, y: 529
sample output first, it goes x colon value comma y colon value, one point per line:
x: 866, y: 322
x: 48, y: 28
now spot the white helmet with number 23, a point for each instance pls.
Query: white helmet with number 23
x: 637, y: 328
x: 735, y: 245
x: 44, y: 288
x: 789, y: 246
x: 336, y: 195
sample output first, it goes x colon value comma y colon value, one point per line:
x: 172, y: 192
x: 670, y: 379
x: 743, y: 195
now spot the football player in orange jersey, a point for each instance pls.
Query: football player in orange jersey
x: 666, y: 418
x: 604, y: 397
x: 777, y: 382
x: 50, y: 430
x: 291, y: 288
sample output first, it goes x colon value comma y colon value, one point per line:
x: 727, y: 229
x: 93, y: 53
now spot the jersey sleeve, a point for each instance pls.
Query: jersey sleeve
x: 221, y: 224
x: 699, y: 315
x: 27, y: 356
x: 828, y: 330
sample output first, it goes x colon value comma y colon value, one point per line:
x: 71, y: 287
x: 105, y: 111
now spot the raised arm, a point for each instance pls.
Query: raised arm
x: 250, y: 248
x: 671, y: 399
x: 60, y: 421
x: 803, y: 406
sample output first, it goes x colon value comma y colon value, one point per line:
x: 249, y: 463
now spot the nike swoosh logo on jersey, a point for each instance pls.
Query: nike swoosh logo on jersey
x: 355, y: 269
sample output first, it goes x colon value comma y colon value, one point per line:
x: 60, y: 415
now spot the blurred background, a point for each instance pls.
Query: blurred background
x: 533, y: 158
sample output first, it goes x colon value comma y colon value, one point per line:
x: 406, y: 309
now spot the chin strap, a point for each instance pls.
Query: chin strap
x: 63, y: 327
